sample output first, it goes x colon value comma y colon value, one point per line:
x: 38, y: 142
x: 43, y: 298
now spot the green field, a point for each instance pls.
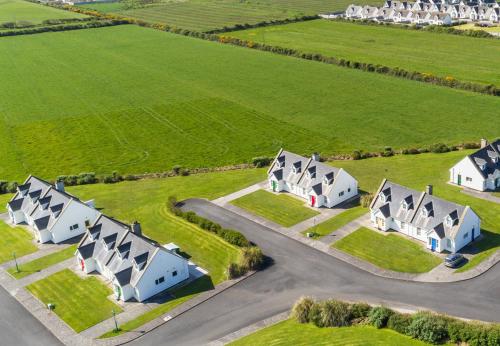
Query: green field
x: 19, y: 10
x: 408, y: 49
x: 280, y: 208
x: 204, y: 15
x: 81, y: 303
x: 471, y: 26
x: 388, y: 251
x: 15, y: 240
x: 416, y: 171
x: 290, y: 332
x: 126, y: 103
x: 336, y: 222
x: 35, y: 266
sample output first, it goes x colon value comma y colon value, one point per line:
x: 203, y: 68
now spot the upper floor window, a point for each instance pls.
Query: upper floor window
x: 160, y: 280
x: 73, y: 227
x: 174, y: 273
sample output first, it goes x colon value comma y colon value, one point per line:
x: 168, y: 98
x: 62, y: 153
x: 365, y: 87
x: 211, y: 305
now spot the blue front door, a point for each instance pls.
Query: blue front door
x: 433, y: 244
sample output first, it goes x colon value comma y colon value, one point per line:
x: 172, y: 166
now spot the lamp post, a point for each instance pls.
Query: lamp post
x: 114, y: 319
x: 15, y: 260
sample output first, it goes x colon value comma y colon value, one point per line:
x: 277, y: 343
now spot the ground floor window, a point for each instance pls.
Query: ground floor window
x: 160, y: 280
x: 466, y: 235
x: 174, y: 273
x: 448, y: 243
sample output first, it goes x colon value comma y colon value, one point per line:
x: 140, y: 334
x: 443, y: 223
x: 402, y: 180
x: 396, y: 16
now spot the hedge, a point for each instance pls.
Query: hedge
x: 425, y: 326
x: 262, y: 24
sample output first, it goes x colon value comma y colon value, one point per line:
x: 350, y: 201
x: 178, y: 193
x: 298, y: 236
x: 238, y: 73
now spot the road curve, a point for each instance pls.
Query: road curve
x: 301, y: 270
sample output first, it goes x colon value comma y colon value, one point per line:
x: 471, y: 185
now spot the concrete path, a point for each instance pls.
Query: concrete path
x: 44, y: 251
x: 487, y: 196
x: 246, y: 191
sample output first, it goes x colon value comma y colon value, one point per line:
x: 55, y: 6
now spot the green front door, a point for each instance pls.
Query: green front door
x: 118, y: 292
x: 273, y: 183
x: 459, y: 181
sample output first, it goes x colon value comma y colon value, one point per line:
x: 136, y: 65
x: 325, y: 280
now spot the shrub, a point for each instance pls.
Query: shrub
x: 335, y: 313
x: 191, y: 216
x: 130, y: 177
x: 410, y: 151
x: 315, y: 314
x: 302, y: 308
x: 356, y: 155
x: 366, y: 199
x: 185, y: 172
x: 252, y: 258
x: 387, y: 152
x: 233, y: 271
x: 439, y: 148
x: 360, y: 310
x: 234, y: 237
x: 12, y: 187
x: 3, y: 186
x: 428, y: 327
x: 379, y: 315
x: 399, y: 322
x: 177, y: 169
x: 471, y: 145
x: 86, y: 178
x: 261, y: 161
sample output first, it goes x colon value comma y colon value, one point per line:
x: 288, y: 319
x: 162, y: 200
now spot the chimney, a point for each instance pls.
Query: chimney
x: 315, y: 157
x: 136, y: 228
x: 60, y: 186
x: 484, y: 143
x: 428, y: 189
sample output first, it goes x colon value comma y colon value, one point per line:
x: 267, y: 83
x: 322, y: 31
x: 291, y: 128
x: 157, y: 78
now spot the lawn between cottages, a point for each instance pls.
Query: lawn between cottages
x: 280, y: 208
x: 416, y: 171
x: 336, y: 222
x: 411, y: 50
x: 290, y: 332
x: 38, y: 264
x: 15, y: 240
x: 81, y: 303
x: 118, y: 99
x: 390, y: 251
x: 25, y: 11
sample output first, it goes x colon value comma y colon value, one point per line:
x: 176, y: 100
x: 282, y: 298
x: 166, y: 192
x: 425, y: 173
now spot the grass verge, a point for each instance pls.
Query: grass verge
x: 388, y: 251
x: 336, y: 222
x: 15, y: 240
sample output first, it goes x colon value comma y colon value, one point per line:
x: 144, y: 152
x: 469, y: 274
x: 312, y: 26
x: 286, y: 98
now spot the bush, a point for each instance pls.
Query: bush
x: 302, y: 308
x: 185, y: 172
x: 12, y: 187
x: 177, y: 169
x: 315, y: 314
x: 439, y: 148
x: 130, y: 177
x: 234, y: 237
x: 360, y: 310
x: 471, y: 146
x: 233, y: 271
x: 387, y: 152
x: 356, y: 155
x: 191, y: 216
x: 428, y: 327
x: 411, y: 151
x: 366, y: 200
x: 252, y: 258
x: 399, y: 322
x: 261, y: 161
x: 335, y: 313
x: 379, y: 316
x: 3, y: 186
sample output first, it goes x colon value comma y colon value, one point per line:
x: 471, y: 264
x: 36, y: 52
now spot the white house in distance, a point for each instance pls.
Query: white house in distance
x: 320, y: 184
x: 51, y: 213
x: 440, y: 224
x: 137, y: 266
x: 480, y: 170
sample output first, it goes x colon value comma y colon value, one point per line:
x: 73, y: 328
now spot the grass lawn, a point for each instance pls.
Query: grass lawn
x: 388, y: 251
x: 17, y: 240
x: 336, y: 222
x: 409, y: 49
x: 282, y: 208
x: 290, y: 332
x: 145, y: 201
x: 129, y: 88
x: 19, y: 10
x: 3, y: 201
x: 42, y: 262
x: 416, y: 171
x: 471, y: 26
x: 203, y: 15
x: 181, y: 295
x: 81, y: 303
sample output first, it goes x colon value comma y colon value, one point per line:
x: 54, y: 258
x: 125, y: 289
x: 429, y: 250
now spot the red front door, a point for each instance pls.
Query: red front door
x: 313, y: 201
x: 82, y: 264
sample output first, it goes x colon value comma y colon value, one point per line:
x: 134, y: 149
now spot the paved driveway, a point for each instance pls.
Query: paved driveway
x: 300, y: 270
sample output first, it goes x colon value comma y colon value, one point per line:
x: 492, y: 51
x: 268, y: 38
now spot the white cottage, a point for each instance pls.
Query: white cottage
x: 52, y: 214
x: 320, y: 184
x: 137, y: 266
x: 480, y: 170
x: 440, y: 224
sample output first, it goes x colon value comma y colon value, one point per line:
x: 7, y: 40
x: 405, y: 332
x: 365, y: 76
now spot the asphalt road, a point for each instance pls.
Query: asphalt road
x: 300, y: 270
x: 18, y: 327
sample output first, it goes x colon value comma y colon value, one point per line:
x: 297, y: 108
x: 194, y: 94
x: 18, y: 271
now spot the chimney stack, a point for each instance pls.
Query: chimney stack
x: 60, y: 186
x: 136, y: 228
x: 428, y: 189
x: 484, y: 143
x: 315, y: 157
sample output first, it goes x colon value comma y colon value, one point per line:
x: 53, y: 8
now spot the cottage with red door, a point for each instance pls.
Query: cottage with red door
x: 440, y: 224
x: 320, y: 184
x: 137, y: 266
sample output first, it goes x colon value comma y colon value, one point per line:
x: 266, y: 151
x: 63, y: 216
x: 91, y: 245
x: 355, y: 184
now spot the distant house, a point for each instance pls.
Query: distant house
x: 369, y: 12
x: 440, y: 19
x: 51, y: 213
x: 480, y: 170
x: 320, y: 184
x: 440, y: 224
x: 137, y: 266
x: 353, y: 11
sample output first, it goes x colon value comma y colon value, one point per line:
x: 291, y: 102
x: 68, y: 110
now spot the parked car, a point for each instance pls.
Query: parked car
x: 453, y: 260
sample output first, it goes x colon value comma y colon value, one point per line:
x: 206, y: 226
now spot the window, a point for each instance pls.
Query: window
x: 349, y: 190
x: 403, y: 225
x: 174, y: 273
x: 419, y: 231
x: 87, y: 223
x: 341, y: 193
x: 72, y: 228
x: 448, y: 243
x: 468, y: 179
x: 160, y: 280
x: 466, y: 235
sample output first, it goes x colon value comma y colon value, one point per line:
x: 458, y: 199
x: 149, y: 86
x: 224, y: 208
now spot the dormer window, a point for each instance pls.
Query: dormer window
x: 294, y: 170
x: 281, y: 162
x: 425, y: 212
x: 325, y: 180
x: 404, y: 205
x: 449, y: 221
x: 495, y: 159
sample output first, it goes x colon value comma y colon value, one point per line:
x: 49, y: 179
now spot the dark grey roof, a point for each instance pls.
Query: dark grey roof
x: 42, y: 222
x: 318, y: 189
x: 123, y: 277
x: 16, y: 204
x: 486, y: 156
x: 86, y: 250
x: 385, y: 210
x: 283, y: 166
x: 395, y: 195
x: 278, y: 174
x: 439, y: 229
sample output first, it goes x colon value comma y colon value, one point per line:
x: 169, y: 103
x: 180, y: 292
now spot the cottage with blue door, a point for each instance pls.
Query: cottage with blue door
x: 440, y: 224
